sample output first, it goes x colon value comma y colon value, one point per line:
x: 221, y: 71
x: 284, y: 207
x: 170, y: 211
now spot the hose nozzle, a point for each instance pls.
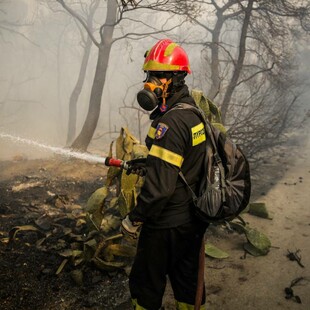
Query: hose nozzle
x: 113, y: 162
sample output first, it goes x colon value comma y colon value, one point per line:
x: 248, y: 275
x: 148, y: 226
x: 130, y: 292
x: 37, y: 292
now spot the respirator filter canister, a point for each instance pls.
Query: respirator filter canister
x: 148, y: 97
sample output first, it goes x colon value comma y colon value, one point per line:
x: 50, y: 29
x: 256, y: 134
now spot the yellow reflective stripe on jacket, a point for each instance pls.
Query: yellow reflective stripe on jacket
x: 166, y: 155
x: 198, y: 134
x: 152, y: 132
x: 184, y: 306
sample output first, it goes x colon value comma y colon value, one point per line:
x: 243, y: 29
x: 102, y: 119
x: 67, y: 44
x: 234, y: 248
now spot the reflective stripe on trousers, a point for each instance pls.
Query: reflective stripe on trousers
x: 184, y: 306
x: 136, y: 306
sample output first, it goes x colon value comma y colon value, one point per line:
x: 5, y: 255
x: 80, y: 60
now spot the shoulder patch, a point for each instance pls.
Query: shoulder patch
x: 161, y: 129
x: 198, y: 134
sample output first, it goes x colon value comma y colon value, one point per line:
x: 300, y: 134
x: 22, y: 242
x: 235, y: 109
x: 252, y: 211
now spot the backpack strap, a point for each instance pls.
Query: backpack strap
x: 195, y: 198
x: 200, y: 113
x: 210, y: 134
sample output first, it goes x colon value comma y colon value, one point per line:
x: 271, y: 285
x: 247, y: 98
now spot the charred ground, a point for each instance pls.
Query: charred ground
x: 45, y: 194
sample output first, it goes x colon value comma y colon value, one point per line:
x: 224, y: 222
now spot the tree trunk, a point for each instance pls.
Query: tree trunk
x: 82, y: 141
x: 76, y: 92
x: 215, y: 74
x: 238, y: 67
x: 81, y: 78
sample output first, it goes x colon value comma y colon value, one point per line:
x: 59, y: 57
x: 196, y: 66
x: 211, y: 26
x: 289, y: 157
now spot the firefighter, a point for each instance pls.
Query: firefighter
x: 170, y: 237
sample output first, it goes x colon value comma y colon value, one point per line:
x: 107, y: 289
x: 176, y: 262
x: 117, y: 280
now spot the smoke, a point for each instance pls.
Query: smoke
x: 41, y: 52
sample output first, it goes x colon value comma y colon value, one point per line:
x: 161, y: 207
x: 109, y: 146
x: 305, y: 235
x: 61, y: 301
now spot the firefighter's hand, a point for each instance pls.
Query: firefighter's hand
x: 137, y: 166
x: 129, y: 228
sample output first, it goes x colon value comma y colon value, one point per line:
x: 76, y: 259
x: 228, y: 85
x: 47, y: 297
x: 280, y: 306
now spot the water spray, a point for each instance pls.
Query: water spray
x: 108, y: 161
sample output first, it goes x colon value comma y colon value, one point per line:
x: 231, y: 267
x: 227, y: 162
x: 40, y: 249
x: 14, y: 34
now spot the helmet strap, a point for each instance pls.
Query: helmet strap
x: 178, y: 80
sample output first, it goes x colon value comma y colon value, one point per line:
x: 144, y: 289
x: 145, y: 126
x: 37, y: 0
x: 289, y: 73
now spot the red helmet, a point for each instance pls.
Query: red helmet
x: 166, y: 55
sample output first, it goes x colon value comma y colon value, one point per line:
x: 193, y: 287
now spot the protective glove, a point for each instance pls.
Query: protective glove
x: 136, y: 166
x: 129, y: 228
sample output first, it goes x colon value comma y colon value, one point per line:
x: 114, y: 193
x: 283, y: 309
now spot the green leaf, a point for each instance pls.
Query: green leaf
x: 212, y: 251
x: 127, y: 146
x: 109, y: 223
x: 78, y: 260
x: 62, y: 265
x: 71, y: 253
x: 220, y: 127
x: 121, y: 250
x: 123, y: 206
x: 113, y: 203
x: 80, y: 222
x: 13, y: 232
x: 94, y: 207
x: 258, y: 240
x: 253, y: 250
x: 237, y: 226
x: 5, y: 240
x: 76, y: 237
x: 96, y: 200
x: 139, y: 151
x: 119, y: 145
x: 259, y: 209
x: 108, y: 266
x: 215, y: 112
x: 128, y: 182
x: 90, y: 247
x: 114, y: 237
x: 113, y: 172
x: 111, y: 149
x: 201, y: 101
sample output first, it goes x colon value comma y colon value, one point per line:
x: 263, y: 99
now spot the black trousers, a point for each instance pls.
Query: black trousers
x: 161, y: 252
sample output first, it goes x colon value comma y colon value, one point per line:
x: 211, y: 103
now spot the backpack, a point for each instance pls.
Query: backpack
x: 225, y: 188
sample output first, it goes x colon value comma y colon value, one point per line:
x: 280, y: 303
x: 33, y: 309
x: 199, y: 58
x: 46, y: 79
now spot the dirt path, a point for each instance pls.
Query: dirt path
x: 259, y: 282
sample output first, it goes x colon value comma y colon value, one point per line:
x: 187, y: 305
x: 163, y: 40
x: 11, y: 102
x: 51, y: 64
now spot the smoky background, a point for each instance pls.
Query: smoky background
x: 42, y: 47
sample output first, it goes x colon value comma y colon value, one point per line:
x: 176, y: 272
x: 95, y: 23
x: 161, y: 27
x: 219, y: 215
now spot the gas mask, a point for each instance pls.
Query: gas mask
x: 149, y: 97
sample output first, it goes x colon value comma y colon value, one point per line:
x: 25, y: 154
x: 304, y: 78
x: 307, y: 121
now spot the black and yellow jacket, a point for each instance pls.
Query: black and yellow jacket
x: 176, y: 140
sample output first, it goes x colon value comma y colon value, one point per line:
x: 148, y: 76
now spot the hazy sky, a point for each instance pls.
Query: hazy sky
x: 40, y: 58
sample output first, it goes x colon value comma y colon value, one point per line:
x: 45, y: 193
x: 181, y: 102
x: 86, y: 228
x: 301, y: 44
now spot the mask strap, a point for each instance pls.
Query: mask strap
x: 147, y: 76
x: 163, y: 107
